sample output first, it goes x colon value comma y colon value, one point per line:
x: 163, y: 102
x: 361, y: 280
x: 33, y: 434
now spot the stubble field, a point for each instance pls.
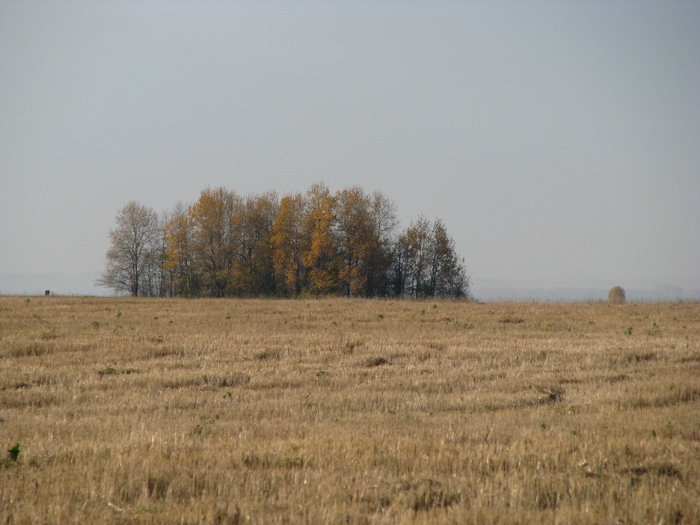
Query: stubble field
x: 352, y: 411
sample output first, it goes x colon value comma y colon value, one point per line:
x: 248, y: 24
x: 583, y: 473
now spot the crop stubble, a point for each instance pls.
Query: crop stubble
x: 337, y: 410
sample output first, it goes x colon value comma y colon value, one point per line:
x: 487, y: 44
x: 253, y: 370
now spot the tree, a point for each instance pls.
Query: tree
x: 180, y: 255
x: 426, y: 264
x: 617, y: 295
x: 380, y: 256
x: 356, y: 239
x: 133, y: 246
x: 215, y: 228
x: 156, y: 278
x: 254, y: 261
x: 321, y: 258
x: 320, y: 242
x: 289, y: 244
x: 415, y: 245
x: 399, y: 267
x: 447, y: 276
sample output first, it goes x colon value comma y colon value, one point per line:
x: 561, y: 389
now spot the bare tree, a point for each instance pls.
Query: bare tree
x: 384, y: 224
x: 416, y: 244
x: 447, y: 275
x: 133, y: 245
x: 157, y: 277
x: 426, y: 264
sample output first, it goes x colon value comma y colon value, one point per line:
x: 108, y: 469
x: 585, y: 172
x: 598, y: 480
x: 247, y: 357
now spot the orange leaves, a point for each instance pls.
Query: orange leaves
x: 319, y: 242
x: 288, y: 242
x: 214, y: 219
x: 321, y: 256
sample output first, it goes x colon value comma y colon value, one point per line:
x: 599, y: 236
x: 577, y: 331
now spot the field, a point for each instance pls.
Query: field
x: 354, y: 411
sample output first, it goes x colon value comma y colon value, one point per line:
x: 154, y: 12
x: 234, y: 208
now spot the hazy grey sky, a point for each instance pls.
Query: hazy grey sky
x: 559, y: 141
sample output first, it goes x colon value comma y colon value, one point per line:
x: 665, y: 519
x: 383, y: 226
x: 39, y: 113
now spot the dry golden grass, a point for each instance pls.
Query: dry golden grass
x: 357, y: 411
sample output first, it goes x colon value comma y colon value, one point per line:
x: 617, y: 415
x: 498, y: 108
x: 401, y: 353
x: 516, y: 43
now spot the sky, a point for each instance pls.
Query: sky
x: 559, y: 141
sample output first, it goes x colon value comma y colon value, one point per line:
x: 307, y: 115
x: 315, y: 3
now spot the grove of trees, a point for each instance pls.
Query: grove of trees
x: 320, y: 243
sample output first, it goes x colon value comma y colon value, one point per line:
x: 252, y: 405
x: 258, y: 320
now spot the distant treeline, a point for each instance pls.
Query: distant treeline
x: 319, y: 243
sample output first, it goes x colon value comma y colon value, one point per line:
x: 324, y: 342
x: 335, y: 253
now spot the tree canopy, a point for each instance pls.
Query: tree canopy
x: 320, y: 243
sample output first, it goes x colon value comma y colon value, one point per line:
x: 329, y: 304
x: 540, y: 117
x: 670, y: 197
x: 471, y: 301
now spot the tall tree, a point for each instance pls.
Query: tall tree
x: 215, y: 217
x: 379, y: 262
x: 321, y: 258
x: 426, y: 264
x: 289, y: 244
x: 181, y: 257
x: 254, y: 264
x: 446, y: 274
x: 356, y: 240
x: 399, y: 267
x: 133, y: 243
x: 156, y: 277
x: 416, y: 244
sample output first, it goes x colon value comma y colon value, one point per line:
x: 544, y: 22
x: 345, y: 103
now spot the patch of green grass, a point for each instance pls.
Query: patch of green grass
x: 109, y: 370
x: 12, y: 455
